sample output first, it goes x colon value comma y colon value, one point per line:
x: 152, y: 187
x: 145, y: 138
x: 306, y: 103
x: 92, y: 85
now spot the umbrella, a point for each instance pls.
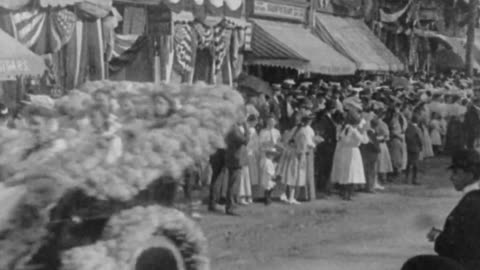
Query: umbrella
x: 254, y: 85
x: 17, y: 60
x: 401, y: 82
x: 449, y: 59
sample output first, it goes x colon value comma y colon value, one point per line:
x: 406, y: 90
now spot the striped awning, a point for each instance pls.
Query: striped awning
x: 355, y: 40
x: 293, y: 46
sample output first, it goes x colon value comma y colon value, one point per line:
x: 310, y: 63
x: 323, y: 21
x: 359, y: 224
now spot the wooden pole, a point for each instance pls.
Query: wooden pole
x: 471, y: 37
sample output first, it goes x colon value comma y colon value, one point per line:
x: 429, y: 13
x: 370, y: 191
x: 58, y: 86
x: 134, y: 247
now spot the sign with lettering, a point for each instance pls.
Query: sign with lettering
x: 268, y: 9
x: 13, y: 66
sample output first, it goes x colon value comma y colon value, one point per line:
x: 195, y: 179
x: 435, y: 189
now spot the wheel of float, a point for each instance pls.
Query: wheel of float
x: 158, y: 253
x: 30, y: 216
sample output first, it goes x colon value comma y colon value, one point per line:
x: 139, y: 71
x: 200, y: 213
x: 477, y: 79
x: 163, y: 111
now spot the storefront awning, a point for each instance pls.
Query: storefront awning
x: 355, y: 40
x: 17, y: 60
x: 292, y: 46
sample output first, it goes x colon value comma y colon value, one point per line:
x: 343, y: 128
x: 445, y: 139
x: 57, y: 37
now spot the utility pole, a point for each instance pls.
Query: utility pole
x: 473, y: 14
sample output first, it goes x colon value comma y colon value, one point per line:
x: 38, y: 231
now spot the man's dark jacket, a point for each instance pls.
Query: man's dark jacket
x: 413, y: 139
x: 460, y: 239
x: 235, y: 154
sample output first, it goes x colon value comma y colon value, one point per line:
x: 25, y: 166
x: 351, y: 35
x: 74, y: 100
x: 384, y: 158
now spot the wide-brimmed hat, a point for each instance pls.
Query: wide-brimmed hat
x: 356, y: 89
x: 290, y: 82
x: 39, y: 105
x: 271, y: 151
x: 276, y: 87
x: 3, y: 110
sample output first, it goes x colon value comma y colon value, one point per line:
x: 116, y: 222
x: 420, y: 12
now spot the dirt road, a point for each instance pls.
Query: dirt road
x: 374, y: 232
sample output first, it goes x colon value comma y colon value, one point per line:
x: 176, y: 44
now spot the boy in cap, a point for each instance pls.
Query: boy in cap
x: 413, y: 139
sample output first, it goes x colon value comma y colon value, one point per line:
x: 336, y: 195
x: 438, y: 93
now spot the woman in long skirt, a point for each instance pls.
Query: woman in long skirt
x: 395, y: 145
x: 347, y: 168
x: 384, y: 160
x: 305, y: 142
x: 424, y: 112
x: 288, y: 166
x: 435, y: 133
x: 250, y: 172
x: 404, y: 122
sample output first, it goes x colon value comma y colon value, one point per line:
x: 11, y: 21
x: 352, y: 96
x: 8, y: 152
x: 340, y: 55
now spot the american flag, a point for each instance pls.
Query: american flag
x: 44, y: 31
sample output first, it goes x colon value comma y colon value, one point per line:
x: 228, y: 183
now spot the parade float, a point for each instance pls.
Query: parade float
x: 78, y: 195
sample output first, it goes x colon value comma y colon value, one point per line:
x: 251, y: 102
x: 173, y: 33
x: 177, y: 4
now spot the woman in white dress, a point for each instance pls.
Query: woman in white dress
x: 268, y: 138
x: 347, y: 168
x: 435, y: 133
x: 306, y: 141
x: 250, y: 174
x: 424, y: 112
x: 384, y: 160
x: 287, y: 168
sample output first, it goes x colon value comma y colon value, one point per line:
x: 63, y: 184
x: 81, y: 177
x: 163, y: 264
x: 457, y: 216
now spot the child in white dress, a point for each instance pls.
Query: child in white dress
x: 268, y: 173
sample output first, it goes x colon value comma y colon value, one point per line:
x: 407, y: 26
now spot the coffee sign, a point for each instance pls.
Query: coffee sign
x: 268, y: 9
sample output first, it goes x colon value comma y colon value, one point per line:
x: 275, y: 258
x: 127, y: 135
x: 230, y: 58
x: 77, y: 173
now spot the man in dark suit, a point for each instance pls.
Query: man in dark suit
x: 217, y: 162
x: 276, y: 101
x: 413, y: 139
x: 458, y: 245
x: 326, y: 128
x: 235, y: 160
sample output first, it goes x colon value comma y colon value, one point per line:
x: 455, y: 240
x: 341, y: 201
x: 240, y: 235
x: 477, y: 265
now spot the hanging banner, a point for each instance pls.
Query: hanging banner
x: 393, y: 17
x: 282, y: 11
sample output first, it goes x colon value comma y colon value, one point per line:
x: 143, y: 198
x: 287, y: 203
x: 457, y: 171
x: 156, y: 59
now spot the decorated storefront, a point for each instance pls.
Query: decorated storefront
x: 69, y: 34
x: 180, y: 41
x: 283, y: 43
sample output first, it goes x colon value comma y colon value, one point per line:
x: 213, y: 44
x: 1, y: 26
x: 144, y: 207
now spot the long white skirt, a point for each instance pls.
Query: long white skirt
x: 347, y: 166
x: 384, y: 163
x: 245, y: 189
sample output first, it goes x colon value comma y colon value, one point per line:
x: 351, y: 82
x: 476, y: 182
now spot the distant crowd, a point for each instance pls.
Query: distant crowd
x: 311, y: 138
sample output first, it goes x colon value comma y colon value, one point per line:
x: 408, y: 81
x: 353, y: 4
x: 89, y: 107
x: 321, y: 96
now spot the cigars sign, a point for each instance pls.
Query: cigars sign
x: 277, y: 10
x: 13, y: 65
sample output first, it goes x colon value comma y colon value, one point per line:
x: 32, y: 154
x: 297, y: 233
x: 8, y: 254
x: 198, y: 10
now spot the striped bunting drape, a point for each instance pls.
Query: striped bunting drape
x: 184, y: 46
x: 43, y: 31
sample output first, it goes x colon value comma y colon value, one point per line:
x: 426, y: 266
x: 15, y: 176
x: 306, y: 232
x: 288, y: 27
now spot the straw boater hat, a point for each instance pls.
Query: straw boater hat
x: 289, y: 82
x: 3, y: 110
x: 40, y: 105
x: 276, y: 87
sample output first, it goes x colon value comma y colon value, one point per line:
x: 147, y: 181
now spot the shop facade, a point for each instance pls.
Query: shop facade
x: 179, y: 40
x: 283, y: 44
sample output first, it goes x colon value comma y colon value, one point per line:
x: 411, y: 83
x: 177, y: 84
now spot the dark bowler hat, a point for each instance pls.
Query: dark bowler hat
x: 466, y: 168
